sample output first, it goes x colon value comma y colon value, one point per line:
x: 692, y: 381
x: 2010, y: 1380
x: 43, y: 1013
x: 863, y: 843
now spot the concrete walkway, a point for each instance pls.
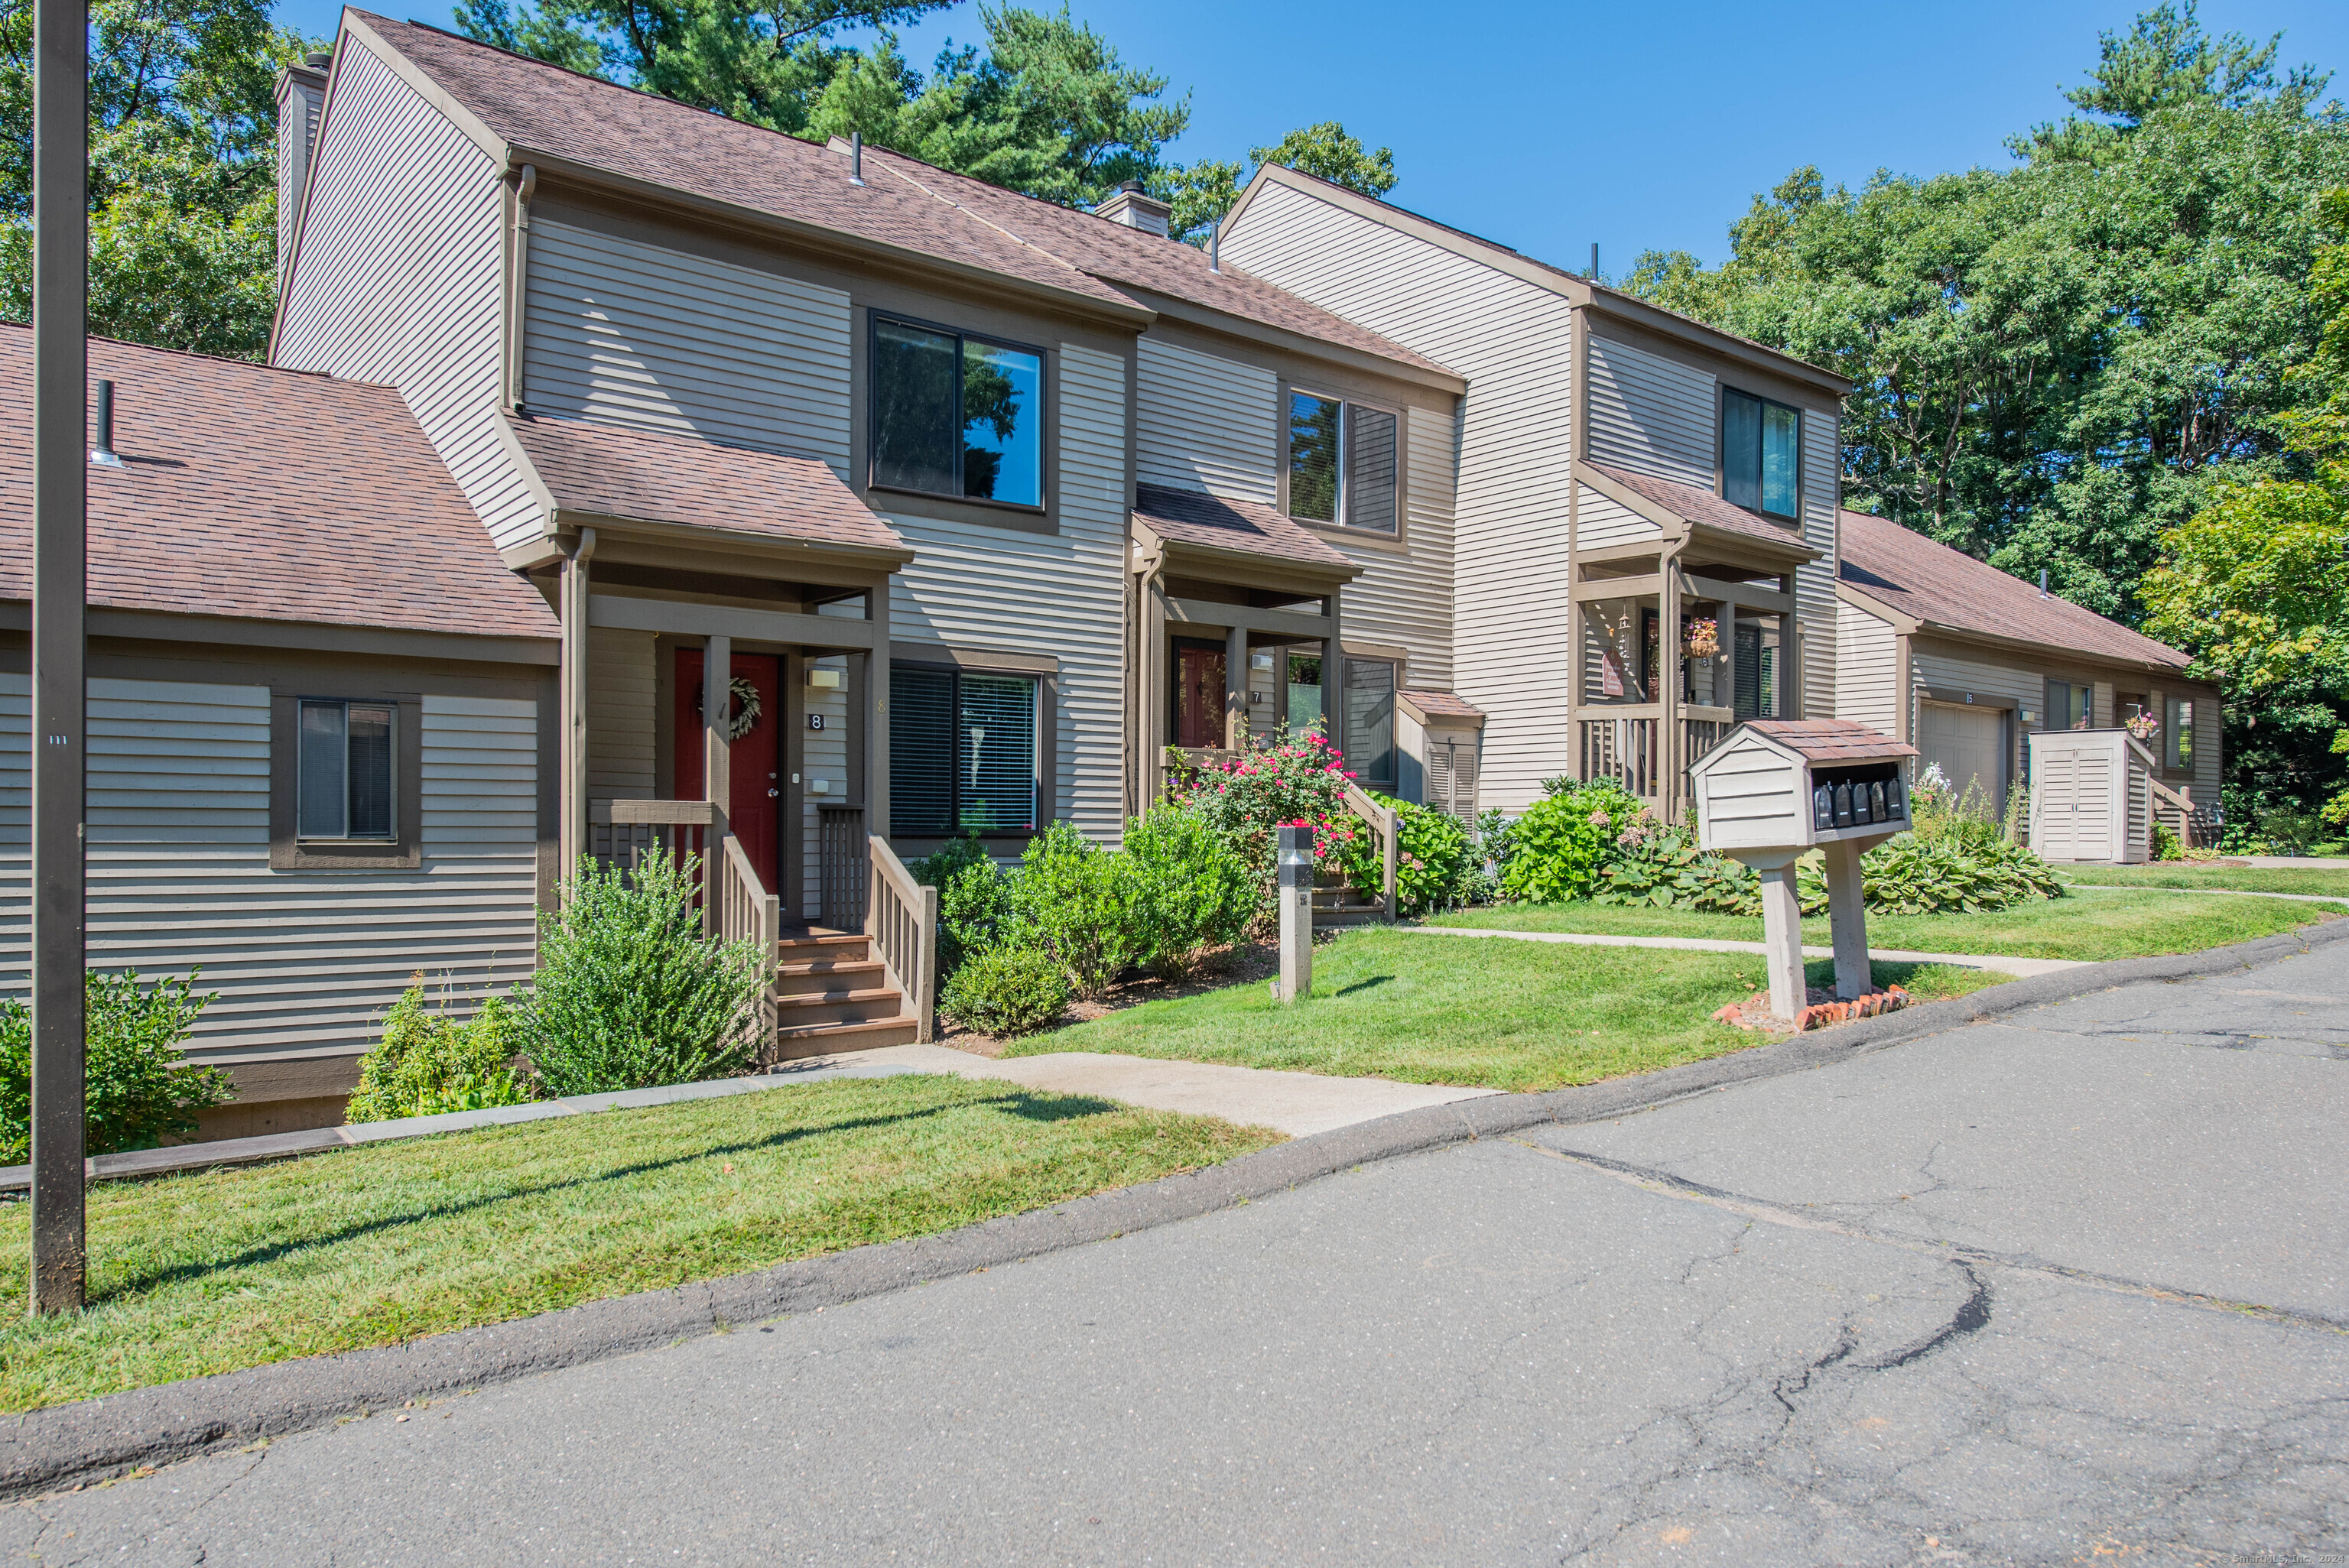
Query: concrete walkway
x: 1294, y: 1103
x: 2019, y: 966
x: 2224, y: 891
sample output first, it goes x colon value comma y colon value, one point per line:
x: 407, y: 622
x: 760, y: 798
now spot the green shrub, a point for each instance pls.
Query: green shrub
x: 2165, y: 846
x: 1435, y: 868
x: 1005, y: 991
x: 975, y: 913
x: 138, y: 1089
x: 1914, y: 875
x: 1564, y: 840
x: 428, y: 1063
x: 1189, y: 889
x: 1664, y: 867
x: 629, y: 994
x: 1300, y: 778
x: 1074, y: 900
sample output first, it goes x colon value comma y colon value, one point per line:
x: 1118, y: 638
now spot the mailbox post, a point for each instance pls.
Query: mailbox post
x: 1776, y: 788
x: 1296, y: 981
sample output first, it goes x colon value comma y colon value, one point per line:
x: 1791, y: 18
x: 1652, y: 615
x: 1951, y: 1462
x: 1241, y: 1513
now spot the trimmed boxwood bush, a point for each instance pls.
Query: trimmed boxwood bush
x: 138, y: 1088
x: 629, y: 994
x: 1071, y: 899
x: 1005, y: 991
x: 1188, y: 888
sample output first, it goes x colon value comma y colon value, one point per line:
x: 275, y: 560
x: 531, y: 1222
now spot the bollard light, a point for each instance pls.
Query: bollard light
x: 1296, y: 981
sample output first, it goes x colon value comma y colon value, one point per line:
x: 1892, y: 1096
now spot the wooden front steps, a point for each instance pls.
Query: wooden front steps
x: 1338, y: 904
x: 831, y: 995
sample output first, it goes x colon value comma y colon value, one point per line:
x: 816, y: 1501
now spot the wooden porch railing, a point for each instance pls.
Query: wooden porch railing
x: 1623, y: 746
x: 901, y: 929
x: 1385, y: 822
x: 746, y: 911
x: 2196, y: 826
x: 623, y: 832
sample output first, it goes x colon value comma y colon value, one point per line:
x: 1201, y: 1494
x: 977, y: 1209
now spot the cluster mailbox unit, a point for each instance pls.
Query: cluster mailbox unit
x: 1776, y: 788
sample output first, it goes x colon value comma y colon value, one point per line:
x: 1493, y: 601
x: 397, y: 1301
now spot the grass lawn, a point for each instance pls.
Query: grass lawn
x: 2088, y: 926
x: 234, y: 1267
x: 1505, y: 1014
x: 2242, y: 879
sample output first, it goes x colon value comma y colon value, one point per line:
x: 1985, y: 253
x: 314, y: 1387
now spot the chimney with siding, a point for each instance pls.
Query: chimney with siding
x: 301, y: 94
x: 1131, y: 208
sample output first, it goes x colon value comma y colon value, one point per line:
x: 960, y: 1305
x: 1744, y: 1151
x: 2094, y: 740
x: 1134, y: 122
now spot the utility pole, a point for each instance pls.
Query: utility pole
x: 60, y: 581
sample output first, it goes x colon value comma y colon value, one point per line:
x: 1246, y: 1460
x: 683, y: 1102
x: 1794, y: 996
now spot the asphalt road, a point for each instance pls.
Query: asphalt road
x: 2068, y: 1290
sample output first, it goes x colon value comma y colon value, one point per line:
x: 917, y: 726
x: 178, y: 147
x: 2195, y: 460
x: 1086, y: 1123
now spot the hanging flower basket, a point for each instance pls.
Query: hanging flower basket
x: 1704, y: 638
x: 2143, y: 725
x: 744, y: 718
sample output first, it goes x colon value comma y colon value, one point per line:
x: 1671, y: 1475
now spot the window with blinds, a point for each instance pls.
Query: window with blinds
x: 1341, y: 463
x: 962, y: 752
x: 1761, y: 455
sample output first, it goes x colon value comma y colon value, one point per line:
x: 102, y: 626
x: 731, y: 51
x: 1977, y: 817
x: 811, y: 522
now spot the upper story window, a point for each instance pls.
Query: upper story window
x: 1761, y: 455
x: 957, y: 416
x: 344, y: 770
x: 1342, y: 462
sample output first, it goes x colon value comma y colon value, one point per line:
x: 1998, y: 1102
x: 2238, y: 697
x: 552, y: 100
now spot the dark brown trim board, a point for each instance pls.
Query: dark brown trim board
x: 288, y: 851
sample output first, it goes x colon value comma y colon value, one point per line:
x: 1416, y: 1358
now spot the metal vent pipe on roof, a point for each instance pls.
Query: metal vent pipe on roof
x: 103, y: 453
x: 2043, y: 582
x: 856, y: 157
x: 1216, y: 246
x: 1594, y: 261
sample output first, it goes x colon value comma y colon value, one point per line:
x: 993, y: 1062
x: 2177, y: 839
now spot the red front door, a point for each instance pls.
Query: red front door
x: 1199, y: 699
x: 755, y: 758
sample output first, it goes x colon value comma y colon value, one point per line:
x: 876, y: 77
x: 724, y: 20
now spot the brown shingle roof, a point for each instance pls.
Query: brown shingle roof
x: 1249, y: 528
x: 597, y: 467
x: 265, y: 494
x: 1699, y: 506
x: 1830, y: 739
x: 904, y: 203
x: 1440, y: 704
x: 544, y: 109
x: 1905, y: 571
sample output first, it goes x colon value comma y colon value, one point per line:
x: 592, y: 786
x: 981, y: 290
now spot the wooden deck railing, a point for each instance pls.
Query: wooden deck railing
x: 1385, y: 822
x: 1623, y: 746
x: 623, y: 832
x: 901, y: 928
x: 746, y: 911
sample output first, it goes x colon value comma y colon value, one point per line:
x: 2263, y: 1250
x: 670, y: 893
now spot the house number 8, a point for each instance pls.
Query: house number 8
x: 815, y: 721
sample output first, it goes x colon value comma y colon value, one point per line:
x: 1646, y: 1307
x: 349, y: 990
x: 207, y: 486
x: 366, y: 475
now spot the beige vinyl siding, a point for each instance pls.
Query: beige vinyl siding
x: 1403, y: 598
x: 1866, y: 670
x: 400, y: 279
x: 620, y: 716
x: 304, y: 962
x: 1815, y: 584
x: 1600, y: 522
x: 1059, y: 595
x: 1650, y: 415
x: 2206, y: 752
x: 1510, y: 339
x: 663, y: 340
x: 15, y: 834
x: 1205, y: 423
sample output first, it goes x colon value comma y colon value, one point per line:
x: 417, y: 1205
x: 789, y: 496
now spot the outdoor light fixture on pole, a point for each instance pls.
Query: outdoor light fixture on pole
x: 1296, y: 982
x: 60, y: 578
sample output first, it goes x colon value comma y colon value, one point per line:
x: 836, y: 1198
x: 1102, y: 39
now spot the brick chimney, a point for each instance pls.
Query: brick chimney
x: 1130, y: 207
x: 301, y: 94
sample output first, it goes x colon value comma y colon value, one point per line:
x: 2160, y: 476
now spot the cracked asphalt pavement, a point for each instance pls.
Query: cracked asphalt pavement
x: 2066, y: 1288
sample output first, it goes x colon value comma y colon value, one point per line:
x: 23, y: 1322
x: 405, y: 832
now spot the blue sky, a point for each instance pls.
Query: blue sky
x: 1547, y: 127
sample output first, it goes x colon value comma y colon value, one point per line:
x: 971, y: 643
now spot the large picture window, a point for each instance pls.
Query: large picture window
x: 344, y: 770
x: 1761, y: 455
x: 957, y: 416
x: 962, y: 752
x: 1369, y: 723
x: 1341, y: 463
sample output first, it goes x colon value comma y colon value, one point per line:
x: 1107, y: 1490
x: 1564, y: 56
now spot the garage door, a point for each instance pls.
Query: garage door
x: 1970, y: 744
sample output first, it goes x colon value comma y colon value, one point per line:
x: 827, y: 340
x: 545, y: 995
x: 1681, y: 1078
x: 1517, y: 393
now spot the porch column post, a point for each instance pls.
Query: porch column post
x: 717, y: 705
x: 1727, y: 698
x: 1668, y: 681
x: 572, y: 837
x: 1333, y: 657
x: 1151, y: 773
x: 1236, y: 688
x: 875, y: 718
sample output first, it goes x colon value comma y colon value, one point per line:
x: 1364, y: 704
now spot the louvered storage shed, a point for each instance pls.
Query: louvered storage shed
x: 2090, y: 796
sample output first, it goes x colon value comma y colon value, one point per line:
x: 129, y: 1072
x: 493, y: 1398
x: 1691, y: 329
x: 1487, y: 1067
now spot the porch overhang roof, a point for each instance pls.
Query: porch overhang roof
x: 1686, y: 513
x: 1235, y: 541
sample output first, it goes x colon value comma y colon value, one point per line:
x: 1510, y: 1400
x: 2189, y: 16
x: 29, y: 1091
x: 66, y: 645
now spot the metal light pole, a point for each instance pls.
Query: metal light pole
x: 60, y: 577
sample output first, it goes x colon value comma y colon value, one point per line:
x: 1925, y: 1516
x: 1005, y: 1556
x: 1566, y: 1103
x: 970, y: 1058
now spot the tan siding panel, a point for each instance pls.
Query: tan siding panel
x: 1603, y: 521
x: 1205, y: 423
x: 1514, y: 441
x: 1650, y: 415
x: 1815, y: 584
x: 304, y: 962
x: 1867, y: 669
x: 658, y: 339
x: 400, y: 279
x: 620, y: 718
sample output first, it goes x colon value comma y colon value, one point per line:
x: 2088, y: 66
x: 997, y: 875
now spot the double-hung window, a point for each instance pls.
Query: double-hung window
x: 344, y: 770
x: 1761, y: 455
x: 954, y: 414
x: 1341, y: 463
x: 962, y: 752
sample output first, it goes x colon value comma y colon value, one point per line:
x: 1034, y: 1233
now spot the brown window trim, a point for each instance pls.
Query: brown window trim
x: 287, y: 850
x: 1048, y: 395
x: 1398, y: 536
x: 1792, y: 523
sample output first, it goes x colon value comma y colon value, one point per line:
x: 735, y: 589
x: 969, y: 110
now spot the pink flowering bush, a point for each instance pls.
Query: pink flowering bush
x: 1299, y: 779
